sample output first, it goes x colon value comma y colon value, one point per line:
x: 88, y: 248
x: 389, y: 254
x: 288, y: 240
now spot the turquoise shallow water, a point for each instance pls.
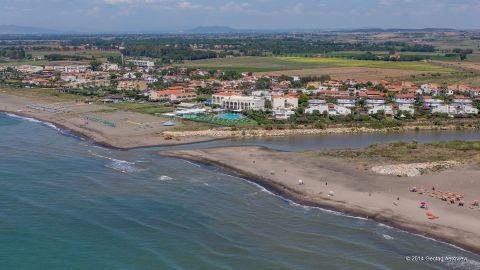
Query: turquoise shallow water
x: 68, y: 204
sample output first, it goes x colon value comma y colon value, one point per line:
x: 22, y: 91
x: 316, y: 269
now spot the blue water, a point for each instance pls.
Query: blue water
x: 66, y: 203
x: 230, y: 116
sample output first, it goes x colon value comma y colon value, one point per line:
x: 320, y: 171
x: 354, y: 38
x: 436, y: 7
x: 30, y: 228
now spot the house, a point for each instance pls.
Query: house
x: 387, y: 109
x: 289, y: 101
x: 430, y: 102
x: 339, y: 110
x: 455, y: 109
x: 132, y: 85
x: 375, y: 101
x: 346, y: 101
x: 283, y: 114
x: 448, y: 109
x: 316, y: 102
x: 404, y: 98
x: 321, y: 108
x: 406, y: 108
x: 461, y: 100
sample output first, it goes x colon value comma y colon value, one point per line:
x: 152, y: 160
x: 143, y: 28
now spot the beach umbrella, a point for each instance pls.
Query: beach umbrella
x: 423, y: 203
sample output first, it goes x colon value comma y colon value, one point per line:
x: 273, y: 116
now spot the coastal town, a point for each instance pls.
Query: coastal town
x: 202, y: 134
x: 203, y: 95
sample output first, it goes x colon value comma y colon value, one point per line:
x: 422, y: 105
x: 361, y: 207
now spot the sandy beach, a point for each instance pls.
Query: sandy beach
x: 131, y: 129
x: 358, y: 191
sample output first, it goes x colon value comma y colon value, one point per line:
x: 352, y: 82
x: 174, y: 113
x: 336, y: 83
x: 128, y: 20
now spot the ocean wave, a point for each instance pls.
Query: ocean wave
x: 46, y: 124
x: 118, y: 164
x: 388, y: 237
x: 165, y: 178
x: 194, y: 164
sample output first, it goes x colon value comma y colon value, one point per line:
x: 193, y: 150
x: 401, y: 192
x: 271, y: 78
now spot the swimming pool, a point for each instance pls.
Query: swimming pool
x: 230, y: 116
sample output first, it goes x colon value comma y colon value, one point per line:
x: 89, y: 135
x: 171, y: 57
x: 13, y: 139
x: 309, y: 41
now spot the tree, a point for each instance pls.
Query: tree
x: 95, y: 65
x: 263, y: 83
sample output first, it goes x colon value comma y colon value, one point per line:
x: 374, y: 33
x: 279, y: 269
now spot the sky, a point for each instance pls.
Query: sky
x: 174, y: 15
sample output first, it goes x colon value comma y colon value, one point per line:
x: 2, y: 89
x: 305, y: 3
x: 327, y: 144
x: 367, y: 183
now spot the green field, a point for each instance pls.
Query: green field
x: 264, y: 64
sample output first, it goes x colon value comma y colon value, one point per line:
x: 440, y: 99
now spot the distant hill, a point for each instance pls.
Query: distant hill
x: 24, y: 30
x: 213, y: 30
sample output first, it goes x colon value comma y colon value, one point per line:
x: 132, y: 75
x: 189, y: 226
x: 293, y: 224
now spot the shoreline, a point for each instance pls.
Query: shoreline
x: 212, y: 135
x: 287, y: 192
x: 130, y: 132
x: 93, y: 140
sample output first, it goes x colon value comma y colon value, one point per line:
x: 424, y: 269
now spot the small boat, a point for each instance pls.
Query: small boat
x: 169, y: 124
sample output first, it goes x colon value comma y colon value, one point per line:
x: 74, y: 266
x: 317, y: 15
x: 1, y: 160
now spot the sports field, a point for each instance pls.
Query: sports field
x: 266, y: 64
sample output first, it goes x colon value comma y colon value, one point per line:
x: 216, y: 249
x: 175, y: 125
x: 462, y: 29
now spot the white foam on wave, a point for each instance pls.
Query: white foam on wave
x: 191, y: 163
x: 388, y: 237
x: 33, y: 120
x: 424, y: 237
x: 118, y: 164
x: 44, y: 123
x: 165, y: 178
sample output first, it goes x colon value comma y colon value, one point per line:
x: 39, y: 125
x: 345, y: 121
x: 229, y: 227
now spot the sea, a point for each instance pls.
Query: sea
x: 68, y: 203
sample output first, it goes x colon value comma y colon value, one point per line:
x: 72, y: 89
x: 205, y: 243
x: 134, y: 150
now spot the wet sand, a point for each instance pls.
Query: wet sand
x: 358, y: 191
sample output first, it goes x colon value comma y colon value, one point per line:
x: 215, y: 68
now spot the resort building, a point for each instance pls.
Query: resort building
x: 234, y: 102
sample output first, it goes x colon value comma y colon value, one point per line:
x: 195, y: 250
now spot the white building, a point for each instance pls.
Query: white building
x: 455, y: 110
x: 29, y: 68
x: 461, y: 100
x: 71, y: 68
x: 448, y: 109
x: 234, y: 102
x: 321, y: 108
x: 109, y: 67
x: 375, y: 101
x: 141, y: 63
x: 340, y: 110
x: 406, y: 108
x: 346, y: 101
x: 404, y: 99
x: 283, y: 114
x: 430, y: 102
x: 316, y: 102
x: 387, y: 109
x: 331, y: 109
